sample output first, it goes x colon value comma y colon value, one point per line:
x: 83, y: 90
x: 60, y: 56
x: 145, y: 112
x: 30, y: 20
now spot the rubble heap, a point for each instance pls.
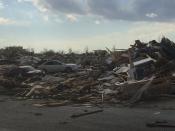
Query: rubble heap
x: 142, y: 72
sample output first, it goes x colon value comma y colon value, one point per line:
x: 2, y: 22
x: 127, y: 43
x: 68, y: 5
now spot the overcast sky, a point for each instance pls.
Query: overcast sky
x: 77, y: 24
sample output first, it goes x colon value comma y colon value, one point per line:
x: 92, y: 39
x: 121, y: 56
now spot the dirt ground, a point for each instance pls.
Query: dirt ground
x: 19, y: 115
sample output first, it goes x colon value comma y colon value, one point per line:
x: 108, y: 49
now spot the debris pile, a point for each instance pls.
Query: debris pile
x: 142, y: 72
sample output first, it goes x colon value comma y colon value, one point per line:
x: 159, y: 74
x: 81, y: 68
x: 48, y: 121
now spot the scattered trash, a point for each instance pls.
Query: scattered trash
x: 86, y: 113
x: 163, y: 124
x: 38, y: 114
x: 157, y: 113
x: 51, y: 104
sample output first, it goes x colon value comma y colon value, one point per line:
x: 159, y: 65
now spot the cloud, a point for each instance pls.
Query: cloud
x: 103, y: 7
x: 152, y: 15
x: 97, y: 22
x: 5, y: 21
x: 72, y: 18
x: 130, y: 10
x: 19, y: 1
x: 40, y: 4
x: 46, y: 18
x: 1, y: 5
x: 64, y: 6
x: 163, y: 8
x: 133, y: 10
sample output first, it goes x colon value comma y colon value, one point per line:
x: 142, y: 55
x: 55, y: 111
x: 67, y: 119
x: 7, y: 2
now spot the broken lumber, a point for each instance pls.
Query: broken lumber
x: 86, y: 113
